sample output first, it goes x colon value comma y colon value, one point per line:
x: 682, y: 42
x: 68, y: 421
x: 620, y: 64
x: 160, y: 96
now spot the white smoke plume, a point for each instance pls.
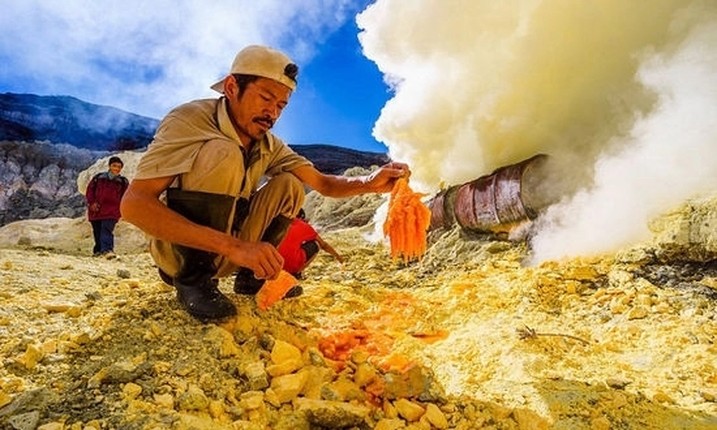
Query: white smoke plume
x: 621, y: 95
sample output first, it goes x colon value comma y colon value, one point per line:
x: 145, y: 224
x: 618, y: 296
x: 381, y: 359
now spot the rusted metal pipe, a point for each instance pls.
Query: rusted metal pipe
x: 494, y: 203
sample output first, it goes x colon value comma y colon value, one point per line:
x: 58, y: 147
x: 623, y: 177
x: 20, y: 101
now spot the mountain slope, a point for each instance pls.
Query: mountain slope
x: 336, y: 160
x: 47, y: 141
x: 64, y: 119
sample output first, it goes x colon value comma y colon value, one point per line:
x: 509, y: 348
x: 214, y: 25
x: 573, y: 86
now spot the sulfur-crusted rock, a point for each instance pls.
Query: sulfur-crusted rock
x: 409, y: 410
x: 256, y: 376
x: 436, y: 417
x: 287, y: 387
x: 193, y: 399
x: 418, y: 382
x: 332, y: 414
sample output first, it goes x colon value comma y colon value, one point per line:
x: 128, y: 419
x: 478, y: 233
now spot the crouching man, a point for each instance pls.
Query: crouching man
x: 196, y: 188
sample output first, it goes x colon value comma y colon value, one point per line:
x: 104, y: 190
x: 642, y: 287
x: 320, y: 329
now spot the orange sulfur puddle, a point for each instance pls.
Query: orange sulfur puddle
x: 395, y: 363
x: 338, y: 346
x: 376, y: 333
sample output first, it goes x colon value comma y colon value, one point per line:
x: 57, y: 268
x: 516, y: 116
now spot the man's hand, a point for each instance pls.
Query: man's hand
x: 94, y: 207
x: 261, y: 257
x: 383, y: 179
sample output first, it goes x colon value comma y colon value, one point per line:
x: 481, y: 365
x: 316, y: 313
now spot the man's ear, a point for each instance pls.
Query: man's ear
x: 231, y: 89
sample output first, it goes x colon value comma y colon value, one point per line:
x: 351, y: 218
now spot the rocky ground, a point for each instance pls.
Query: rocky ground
x: 468, y: 338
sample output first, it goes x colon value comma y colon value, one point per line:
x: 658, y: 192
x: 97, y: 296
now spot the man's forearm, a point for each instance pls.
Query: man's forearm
x: 157, y: 220
x: 346, y: 186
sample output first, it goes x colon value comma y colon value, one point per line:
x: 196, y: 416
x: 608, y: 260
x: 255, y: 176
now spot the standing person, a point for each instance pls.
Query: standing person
x: 103, y: 195
x: 301, y: 244
x: 208, y: 157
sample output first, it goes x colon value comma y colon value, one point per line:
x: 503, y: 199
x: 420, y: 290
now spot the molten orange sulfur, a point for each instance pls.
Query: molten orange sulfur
x: 407, y: 222
x: 275, y: 290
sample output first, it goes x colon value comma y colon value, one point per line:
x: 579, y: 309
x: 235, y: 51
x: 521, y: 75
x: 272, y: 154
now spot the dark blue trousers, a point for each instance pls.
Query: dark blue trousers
x: 103, y: 231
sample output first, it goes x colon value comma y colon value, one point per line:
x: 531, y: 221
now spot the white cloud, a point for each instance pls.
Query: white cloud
x: 147, y: 57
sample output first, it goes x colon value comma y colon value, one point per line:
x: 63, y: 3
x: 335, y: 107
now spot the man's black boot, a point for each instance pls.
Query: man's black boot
x: 205, y: 302
x: 245, y: 282
x: 197, y: 292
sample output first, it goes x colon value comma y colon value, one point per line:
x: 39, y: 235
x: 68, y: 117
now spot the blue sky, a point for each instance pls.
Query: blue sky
x: 147, y: 58
x: 340, y: 95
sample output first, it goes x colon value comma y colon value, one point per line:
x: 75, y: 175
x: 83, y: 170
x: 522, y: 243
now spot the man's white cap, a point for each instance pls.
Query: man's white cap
x: 265, y: 62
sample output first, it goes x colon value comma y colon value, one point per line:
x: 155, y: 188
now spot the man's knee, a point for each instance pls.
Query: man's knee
x: 287, y: 191
x: 288, y: 183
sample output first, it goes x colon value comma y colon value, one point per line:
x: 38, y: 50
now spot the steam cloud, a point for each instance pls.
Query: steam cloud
x: 621, y: 94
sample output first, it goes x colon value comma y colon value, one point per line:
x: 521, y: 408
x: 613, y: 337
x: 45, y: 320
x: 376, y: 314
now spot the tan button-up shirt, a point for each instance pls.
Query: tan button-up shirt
x: 181, y: 134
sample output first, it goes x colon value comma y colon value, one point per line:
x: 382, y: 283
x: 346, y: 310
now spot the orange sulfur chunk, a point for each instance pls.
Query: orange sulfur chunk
x: 275, y: 290
x: 407, y: 222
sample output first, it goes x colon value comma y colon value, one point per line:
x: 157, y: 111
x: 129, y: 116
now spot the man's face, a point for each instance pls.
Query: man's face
x: 116, y: 168
x: 257, y: 109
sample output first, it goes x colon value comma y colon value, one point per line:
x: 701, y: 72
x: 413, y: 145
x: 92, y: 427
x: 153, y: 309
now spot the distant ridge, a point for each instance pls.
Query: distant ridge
x: 335, y: 159
x: 47, y: 141
x: 65, y: 119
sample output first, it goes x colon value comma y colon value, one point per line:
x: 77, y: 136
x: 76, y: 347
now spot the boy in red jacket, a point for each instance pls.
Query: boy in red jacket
x: 104, y: 193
